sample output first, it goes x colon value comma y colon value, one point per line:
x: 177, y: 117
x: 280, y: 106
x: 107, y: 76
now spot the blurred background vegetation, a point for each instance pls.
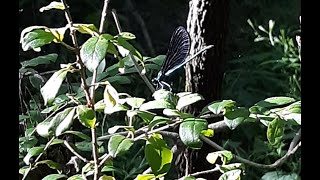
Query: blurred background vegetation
x: 255, y: 70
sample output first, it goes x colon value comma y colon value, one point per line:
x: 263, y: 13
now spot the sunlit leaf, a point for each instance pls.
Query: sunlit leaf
x: 188, y: 99
x: 86, y: 116
x: 52, y: 86
x: 158, y: 155
x: 231, y: 175
x: 190, y: 130
x: 275, y: 131
x: 36, y: 39
x: 54, y: 177
x: 93, y: 51
x: 53, y: 5
x: 119, y: 144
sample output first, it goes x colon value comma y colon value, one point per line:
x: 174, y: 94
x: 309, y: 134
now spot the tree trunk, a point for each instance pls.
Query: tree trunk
x: 207, y: 24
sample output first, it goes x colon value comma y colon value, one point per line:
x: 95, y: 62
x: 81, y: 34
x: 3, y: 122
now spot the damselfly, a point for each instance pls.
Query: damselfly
x: 177, y: 53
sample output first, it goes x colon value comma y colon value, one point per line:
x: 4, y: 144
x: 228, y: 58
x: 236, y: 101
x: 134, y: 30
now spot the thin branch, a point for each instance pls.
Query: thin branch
x: 137, y: 67
x: 157, y: 130
x: 205, y: 172
x: 74, y: 152
x: 295, y: 140
x: 85, y: 87
x: 218, y: 126
x: 107, y: 157
x: 276, y: 164
x: 103, y: 15
x: 68, y: 46
x: 39, y: 156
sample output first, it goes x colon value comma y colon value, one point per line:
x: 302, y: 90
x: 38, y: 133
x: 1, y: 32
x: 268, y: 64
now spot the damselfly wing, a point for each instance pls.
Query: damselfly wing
x: 176, y: 56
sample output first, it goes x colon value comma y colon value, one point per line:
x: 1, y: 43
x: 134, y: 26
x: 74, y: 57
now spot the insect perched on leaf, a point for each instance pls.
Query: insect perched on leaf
x: 176, y: 57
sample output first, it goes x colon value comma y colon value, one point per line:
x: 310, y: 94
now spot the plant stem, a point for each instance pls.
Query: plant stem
x: 276, y: 164
x: 90, y: 101
x: 138, y: 68
x: 74, y: 152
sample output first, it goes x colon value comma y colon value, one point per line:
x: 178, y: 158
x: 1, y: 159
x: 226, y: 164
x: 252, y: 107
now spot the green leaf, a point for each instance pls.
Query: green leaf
x: 93, y: 51
x: 135, y: 102
x: 87, y: 116
x: 176, y: 113
x: 275, y: 101
x: 79, y: 134
x: 105, y: 177
x: 46, y: 59
x: 118, y: 79
x: 36, y: 81
x: 52, y: 86
x: 43, y: 129
x: 157, y: 120
x: 231, y: 175
x: 110, y: 97
x: 54, y: 176
x: 259, y: 110
x: 58, y: 34
x: 35, y: 151
x: 225, y: 156
x: 84, y: 146
x: 145, y: 177
x: 53, y: 5
x: 62, y: 121
x: 156, y: 104
x: 188, y: 99
x: 36, y: 39
x: 116, y: 108
x: 162, y: 94
x: 158, y: 155
x: 158, y: 60
x: 119, y: 144
x: 275, y: 131
x: 228, y: 167
x: 208, y: 132
x: 146, y: 116
x: 87, y: 29
x: 280, y: 175
x: 114, y: 129
x: 217, y: 107
x: 75, y: 177
x: 23, y: 117
x: 51, y: 164
x: 127, y: 35
x: 236, y: 116
x: 126, y: 45
x: 101, y: 67
x: 56, y: 141
x: 190, y: 130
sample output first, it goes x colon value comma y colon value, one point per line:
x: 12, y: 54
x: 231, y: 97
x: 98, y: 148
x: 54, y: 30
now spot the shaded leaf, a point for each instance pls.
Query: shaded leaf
x: 79, y: 134
x: 46, y: 59
x: 235, y: 117
x: 157, y: 120
x: 51, y: 164
x: 35, y: 151
x: 146, y: 116
x: 84, y: 146
x: 280, y: 175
